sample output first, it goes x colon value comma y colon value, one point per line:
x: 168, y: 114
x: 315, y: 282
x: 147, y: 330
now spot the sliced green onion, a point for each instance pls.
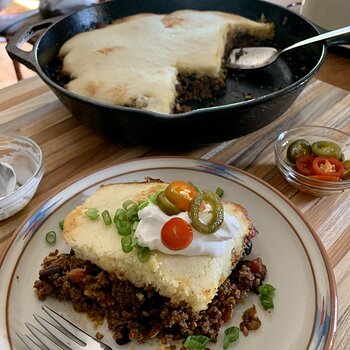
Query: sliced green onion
x: 126, y: 243
x: 266, y: 292
x: 266, y: 289
x: 220, y: 192
x: 92, y: 213
x: 127, y: 240
x: 134, y: 241
x: 126, y: 220
x: 50, y: 237
x: 196, y: 342
x: 127, y: 248
x: 266, y: 301
x: 61, y: 224
x: 142, y: 205
x: 120, y: 214
x: 123, y: 227
x: 230, y: 336
x: 127, y: 204
x: 134, y: 226
x: 106, y: 217
x: 132, y: 212
x: 143, y: 253
x: 153, y: 198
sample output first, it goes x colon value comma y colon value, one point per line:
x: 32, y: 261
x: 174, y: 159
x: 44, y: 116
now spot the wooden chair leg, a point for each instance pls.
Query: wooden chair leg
x: 17, y: 67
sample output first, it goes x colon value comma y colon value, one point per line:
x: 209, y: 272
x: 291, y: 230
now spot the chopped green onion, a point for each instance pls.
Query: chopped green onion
x: 134, y: 226
x: 126, y: 220
x: 196, y: 342
x: 230, y: 336
x: 153, y: 198
x: 92, y: 213
x: 266, y: 289
x: 143, y: 253
x: 123, y: 227
x: 120, y: 214
x: 61, y: 224
x: 220, y: 192
x: 266, y: 292
x: 127, y: 204
x: 127, y: 248
x: 127, y: 240
x: 142, y: 205
x: 106, y: 217
x: 132, y: 213
x: 51, y: 237
x: 266, y: 301
x: 126, y: 243
x: 134, y: 241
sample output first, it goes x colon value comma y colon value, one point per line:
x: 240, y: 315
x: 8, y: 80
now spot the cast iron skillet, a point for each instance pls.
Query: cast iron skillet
x: 272, y: 90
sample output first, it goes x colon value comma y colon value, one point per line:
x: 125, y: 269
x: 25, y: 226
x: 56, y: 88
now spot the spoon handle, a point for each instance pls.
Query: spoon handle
x: 324, y: 36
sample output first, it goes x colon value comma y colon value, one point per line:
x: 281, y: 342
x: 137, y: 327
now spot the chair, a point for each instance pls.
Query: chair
x: 10, y: 23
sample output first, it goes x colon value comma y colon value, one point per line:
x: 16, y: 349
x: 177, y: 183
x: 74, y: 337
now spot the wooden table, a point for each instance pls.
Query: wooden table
x: 72, y: 150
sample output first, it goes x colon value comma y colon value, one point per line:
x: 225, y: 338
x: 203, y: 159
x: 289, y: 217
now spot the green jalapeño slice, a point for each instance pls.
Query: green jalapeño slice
x: 297, y: 149
x: 216, y: 210
x: 326, y: 149
x: 165, y: 205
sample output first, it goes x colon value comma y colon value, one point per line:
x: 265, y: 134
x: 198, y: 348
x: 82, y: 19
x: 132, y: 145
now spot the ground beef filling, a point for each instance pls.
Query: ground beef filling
x: 141, y: 313
x: 191, y: 89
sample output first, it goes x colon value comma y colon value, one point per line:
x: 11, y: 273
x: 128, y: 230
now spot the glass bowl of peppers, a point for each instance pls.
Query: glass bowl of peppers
x: 315, y: 159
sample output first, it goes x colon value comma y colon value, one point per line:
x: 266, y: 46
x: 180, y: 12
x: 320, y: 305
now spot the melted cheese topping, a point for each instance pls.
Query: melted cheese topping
x: 135, y: 61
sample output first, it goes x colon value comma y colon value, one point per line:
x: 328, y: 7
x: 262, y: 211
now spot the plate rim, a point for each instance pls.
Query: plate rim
x: 329, y: 344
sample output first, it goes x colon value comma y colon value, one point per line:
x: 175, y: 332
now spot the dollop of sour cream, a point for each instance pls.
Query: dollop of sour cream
x: 214, y: 244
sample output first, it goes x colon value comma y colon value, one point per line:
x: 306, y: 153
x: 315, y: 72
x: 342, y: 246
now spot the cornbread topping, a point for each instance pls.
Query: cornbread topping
x: 153, y: 219
x: 156, y: 62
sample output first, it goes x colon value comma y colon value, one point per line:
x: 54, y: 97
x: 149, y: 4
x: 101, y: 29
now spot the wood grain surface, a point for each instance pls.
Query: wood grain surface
x: 72, y: 150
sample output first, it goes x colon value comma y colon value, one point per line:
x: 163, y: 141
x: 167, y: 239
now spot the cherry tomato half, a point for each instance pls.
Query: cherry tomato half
x: 327, y: 166
x: 180, y: 193
x: 176, y: 234
x: 304, y: 164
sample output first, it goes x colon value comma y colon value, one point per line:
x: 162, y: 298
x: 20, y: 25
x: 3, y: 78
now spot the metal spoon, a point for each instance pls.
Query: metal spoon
x: 8, y: 179
x: 257, y: 57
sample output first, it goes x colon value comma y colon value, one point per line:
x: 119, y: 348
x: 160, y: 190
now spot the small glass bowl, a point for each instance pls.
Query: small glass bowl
x: 26, y: 158
x: 311, y: 134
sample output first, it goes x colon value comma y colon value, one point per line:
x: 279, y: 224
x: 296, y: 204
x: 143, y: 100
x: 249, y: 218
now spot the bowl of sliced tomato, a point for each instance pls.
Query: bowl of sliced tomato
x: 315, y: 159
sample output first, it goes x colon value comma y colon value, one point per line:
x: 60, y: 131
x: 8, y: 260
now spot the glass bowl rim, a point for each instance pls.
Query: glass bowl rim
x: 305, y: 180
x: 39, y: 167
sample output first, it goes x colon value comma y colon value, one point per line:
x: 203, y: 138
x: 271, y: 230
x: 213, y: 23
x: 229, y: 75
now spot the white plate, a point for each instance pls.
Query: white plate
x: 305, y: 301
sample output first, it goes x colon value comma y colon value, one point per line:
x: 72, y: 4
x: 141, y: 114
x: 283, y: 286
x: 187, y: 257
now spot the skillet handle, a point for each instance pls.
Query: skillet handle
x: 22, y: 36
x: 343, y: 40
